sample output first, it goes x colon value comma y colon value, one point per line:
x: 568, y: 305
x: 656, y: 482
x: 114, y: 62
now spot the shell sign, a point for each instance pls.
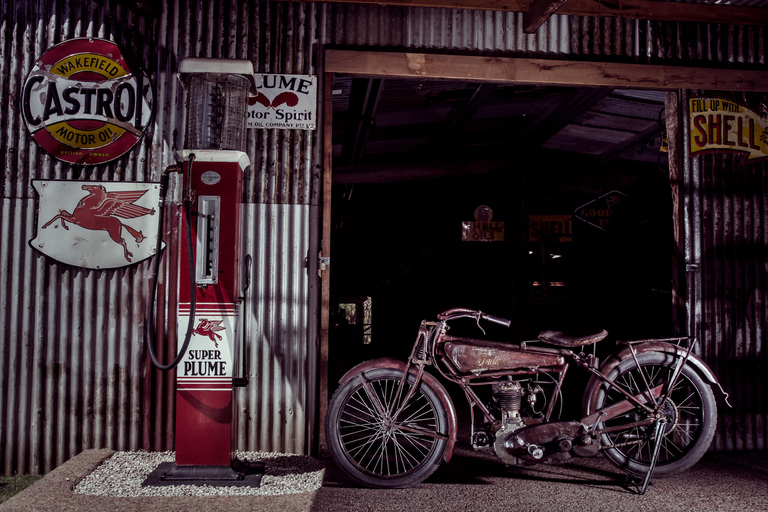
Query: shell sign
x: 718, y: 125
x: 87, y: 103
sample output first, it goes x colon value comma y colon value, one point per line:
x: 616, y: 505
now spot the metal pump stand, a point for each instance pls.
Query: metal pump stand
x: 211, y: 290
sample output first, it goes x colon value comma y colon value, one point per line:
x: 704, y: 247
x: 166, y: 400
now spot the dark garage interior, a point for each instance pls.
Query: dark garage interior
x: 414, y: 159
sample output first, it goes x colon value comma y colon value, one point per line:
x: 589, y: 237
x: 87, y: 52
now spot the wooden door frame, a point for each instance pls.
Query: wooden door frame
x: 503, y: 70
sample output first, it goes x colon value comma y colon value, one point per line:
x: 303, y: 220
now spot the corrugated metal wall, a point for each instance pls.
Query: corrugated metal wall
x: 722, y: 215
x: 74, y: 374
x: 71, y: 357
x: 277, y: 408
x: 72, y: 368
x: 724, y: 207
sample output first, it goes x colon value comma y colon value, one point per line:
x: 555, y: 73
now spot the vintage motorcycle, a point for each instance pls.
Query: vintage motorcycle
x: 649, y: 407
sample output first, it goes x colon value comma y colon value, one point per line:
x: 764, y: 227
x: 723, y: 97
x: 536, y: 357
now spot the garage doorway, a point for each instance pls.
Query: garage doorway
x: 576, y: 178
x: 571, y: 161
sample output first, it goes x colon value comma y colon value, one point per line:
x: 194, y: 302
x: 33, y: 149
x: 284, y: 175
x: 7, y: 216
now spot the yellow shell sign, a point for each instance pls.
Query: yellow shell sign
x: 719, y: 124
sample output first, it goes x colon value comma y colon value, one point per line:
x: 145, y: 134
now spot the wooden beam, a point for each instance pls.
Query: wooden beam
x: 539, y: 12
x: 325, y: 274
x: 632, y: 9
x: 510, y: 70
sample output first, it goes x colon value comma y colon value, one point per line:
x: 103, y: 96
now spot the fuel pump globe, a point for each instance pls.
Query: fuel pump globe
x: 217, y: 102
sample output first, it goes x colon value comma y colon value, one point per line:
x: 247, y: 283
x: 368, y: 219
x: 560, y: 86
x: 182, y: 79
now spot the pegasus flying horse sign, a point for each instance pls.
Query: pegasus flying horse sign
x: 96, y: 225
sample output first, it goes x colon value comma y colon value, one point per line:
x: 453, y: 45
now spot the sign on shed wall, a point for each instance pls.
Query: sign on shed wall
x: 284, y: 102
x: 85, y: 102
x: 722, y: 125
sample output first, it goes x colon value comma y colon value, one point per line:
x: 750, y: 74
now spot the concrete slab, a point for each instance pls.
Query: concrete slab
x: 471, y: 482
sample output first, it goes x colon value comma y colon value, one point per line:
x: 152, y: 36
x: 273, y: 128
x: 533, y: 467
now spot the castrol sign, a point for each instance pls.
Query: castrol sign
x: 87, y: 103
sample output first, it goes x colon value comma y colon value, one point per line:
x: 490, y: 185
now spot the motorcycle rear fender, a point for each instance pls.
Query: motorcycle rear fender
x: 431, y: 380
x: 660, y: 346
x: 651, y: 346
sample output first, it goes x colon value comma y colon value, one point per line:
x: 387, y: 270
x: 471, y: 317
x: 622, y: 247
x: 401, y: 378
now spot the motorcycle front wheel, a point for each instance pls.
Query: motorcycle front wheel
x: 690, y: 412
x: 373, y: 446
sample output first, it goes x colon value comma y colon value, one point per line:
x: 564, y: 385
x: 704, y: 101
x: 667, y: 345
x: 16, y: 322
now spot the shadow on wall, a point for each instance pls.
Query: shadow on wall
x: 734, y: 284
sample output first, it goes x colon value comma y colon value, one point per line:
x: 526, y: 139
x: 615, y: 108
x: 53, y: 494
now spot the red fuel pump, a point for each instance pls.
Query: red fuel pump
x: 210, y: 289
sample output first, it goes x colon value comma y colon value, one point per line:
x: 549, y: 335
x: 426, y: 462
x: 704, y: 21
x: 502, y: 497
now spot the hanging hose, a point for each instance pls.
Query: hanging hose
x: 151, y: 324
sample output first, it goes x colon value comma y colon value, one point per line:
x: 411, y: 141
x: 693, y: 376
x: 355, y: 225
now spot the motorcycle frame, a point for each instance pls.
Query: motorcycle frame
x: 472, y: 362
x: 433, y: 336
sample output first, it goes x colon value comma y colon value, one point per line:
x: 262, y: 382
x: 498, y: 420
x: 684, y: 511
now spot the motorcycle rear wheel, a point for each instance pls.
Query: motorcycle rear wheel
x: 373, y: 449
x: 690, y: 411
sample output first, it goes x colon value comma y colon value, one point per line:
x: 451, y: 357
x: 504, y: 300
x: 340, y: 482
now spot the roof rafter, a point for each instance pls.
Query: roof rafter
x: 364, y: 101
x: 538, y: 13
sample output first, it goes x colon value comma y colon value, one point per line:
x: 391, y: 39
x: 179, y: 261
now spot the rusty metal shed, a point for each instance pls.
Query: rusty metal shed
x: 73, y: 369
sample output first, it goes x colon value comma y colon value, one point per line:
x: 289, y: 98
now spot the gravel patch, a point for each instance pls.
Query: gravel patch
x: 122, y: 474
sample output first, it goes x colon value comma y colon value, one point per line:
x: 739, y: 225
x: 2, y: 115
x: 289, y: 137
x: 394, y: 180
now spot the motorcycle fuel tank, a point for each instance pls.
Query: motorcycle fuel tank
x: 473, y: 356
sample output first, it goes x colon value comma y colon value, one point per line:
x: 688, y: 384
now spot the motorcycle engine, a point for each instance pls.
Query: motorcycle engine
x: 509, y: 395
x: 525, y: 438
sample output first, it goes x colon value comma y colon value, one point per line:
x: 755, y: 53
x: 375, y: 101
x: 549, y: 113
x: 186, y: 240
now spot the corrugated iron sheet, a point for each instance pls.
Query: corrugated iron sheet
x: 276, y: 410
x: 425, y: 29
x: 723, y: 218
x: 726, y: 261
x: 74, y: 369
x: 73, y: 373
x: 72, y: 357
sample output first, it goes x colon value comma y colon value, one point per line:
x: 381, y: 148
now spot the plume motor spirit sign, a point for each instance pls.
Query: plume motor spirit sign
x: 719, y: 124
x: 283, y: 102
x: 85, y: 102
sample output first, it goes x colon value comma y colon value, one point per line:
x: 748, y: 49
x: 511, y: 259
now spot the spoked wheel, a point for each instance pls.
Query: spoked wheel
x: 690, y: 413
x: 372, y: 445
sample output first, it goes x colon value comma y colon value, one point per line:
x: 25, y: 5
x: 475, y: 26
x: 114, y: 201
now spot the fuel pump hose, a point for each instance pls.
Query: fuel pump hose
x: 151, y: 330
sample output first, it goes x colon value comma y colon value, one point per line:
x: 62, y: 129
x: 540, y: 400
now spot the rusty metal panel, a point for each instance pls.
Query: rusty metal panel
x: 701, y: 42
x: 276, y: 411
x: 724, y: 207
x: 425, y: 29
x: 721, y: 213
x: 283, y: 38
x: 72, y: 356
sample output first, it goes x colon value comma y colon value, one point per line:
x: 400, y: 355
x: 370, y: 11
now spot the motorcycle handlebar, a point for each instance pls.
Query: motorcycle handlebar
x: 497, y: 320
x: 464, y: 312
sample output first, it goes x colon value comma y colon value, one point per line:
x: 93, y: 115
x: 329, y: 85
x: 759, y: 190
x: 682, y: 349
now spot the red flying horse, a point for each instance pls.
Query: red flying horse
x: 99, y: 211
x: 209, y: 328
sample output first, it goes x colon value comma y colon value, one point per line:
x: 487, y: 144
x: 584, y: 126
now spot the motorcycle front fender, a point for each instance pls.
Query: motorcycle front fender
x: 431, y: 380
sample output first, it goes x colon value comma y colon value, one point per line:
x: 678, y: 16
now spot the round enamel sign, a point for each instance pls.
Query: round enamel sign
x: 87, y: 103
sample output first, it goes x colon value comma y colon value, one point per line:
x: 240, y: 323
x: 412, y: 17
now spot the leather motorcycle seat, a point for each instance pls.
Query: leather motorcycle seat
x: 562, y: 339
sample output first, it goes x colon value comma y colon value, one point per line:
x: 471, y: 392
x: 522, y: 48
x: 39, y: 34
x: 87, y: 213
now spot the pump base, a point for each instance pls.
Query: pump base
x: 239, y: 474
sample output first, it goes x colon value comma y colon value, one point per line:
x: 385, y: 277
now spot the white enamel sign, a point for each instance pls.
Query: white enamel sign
x: 96, y: 225
x: 284, y: 102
